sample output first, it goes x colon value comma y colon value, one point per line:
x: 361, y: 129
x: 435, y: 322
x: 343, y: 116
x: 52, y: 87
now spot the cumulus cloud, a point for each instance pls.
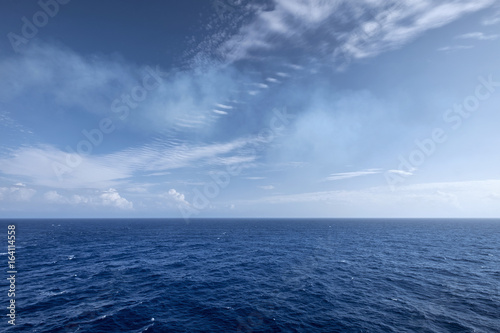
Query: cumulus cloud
x: 53, y: 196
x: 112, y: 198
x: 177, y: 197
x: 108, y: 198
x: 16, y: 193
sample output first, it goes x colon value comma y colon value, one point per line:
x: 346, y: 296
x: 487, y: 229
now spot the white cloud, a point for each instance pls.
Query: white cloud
x: 107, y: 198
x: 402, y: 172
x: 53, y: 196
x: 492, y: 19
x: 42, y: 165
x: 379, y: 26
x: 442, y: 199
x: 65, y: 78
x: 262, y: 85
x: 346, y: 175
x: 220, y: 112
x: 223, y: 106
x: 61, y: 81
x: 48, y: 166
x: 267, y: 187
x: 404, y: 23
x: 455, y: 48
x: 112, y: 198
x: 282, y: 74
x: 137, y: 189
x: 16, y: 193
x: 178, y: 197
x: 478, y: 36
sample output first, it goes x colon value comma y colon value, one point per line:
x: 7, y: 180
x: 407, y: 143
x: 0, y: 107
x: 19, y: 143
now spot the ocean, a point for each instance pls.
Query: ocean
x: 254, y: 275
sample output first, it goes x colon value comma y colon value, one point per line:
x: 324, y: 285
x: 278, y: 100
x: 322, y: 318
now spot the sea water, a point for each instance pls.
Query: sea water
x: 251, y: 275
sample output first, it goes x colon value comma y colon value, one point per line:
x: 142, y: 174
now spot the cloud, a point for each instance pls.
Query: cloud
x: 220, y: 112
x: 402, y: 172
x: 55, y: 197
x: 446, y: 199
x: 107, y: 198
x: 48, y: 166
x: 478, y: 36
x: 178, y: 197
x: 17, y: 193
x: 112, y: 198
x: 64, y: 79
x: 455, y: 48
x: 267, y: 187
x: 399, y: 24
x: 346, y: 175
x: 343, y: 29
x: 61, y: 82
x: 222, y: 106
x: 492, y: 19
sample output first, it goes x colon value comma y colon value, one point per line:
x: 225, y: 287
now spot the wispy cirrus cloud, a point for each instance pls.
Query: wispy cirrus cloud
x: 455, y: 48
x: 48, y: 166
x: 343, y: 29
x: 492, y: 19
x: 353, y: 174
x: 402, y: 172
x: 62, y: 83
x: 478, y: 36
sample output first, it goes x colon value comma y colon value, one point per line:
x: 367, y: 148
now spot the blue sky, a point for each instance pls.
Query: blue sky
x: 234, y: 108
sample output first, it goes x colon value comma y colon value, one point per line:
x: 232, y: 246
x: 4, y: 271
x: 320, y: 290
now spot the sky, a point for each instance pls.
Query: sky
x: 239, y: 108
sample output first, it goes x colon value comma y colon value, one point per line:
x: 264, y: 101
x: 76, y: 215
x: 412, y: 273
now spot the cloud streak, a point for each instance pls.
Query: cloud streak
x: 347, y: 175
x: 374, y: 27
x: 48, y: 166
x: 478, y: 36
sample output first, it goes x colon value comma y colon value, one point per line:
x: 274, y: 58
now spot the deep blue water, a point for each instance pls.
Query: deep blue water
x: 255, y: 276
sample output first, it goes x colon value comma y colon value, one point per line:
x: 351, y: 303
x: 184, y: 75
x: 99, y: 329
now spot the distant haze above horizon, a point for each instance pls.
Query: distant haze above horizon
x: 238, y: 108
